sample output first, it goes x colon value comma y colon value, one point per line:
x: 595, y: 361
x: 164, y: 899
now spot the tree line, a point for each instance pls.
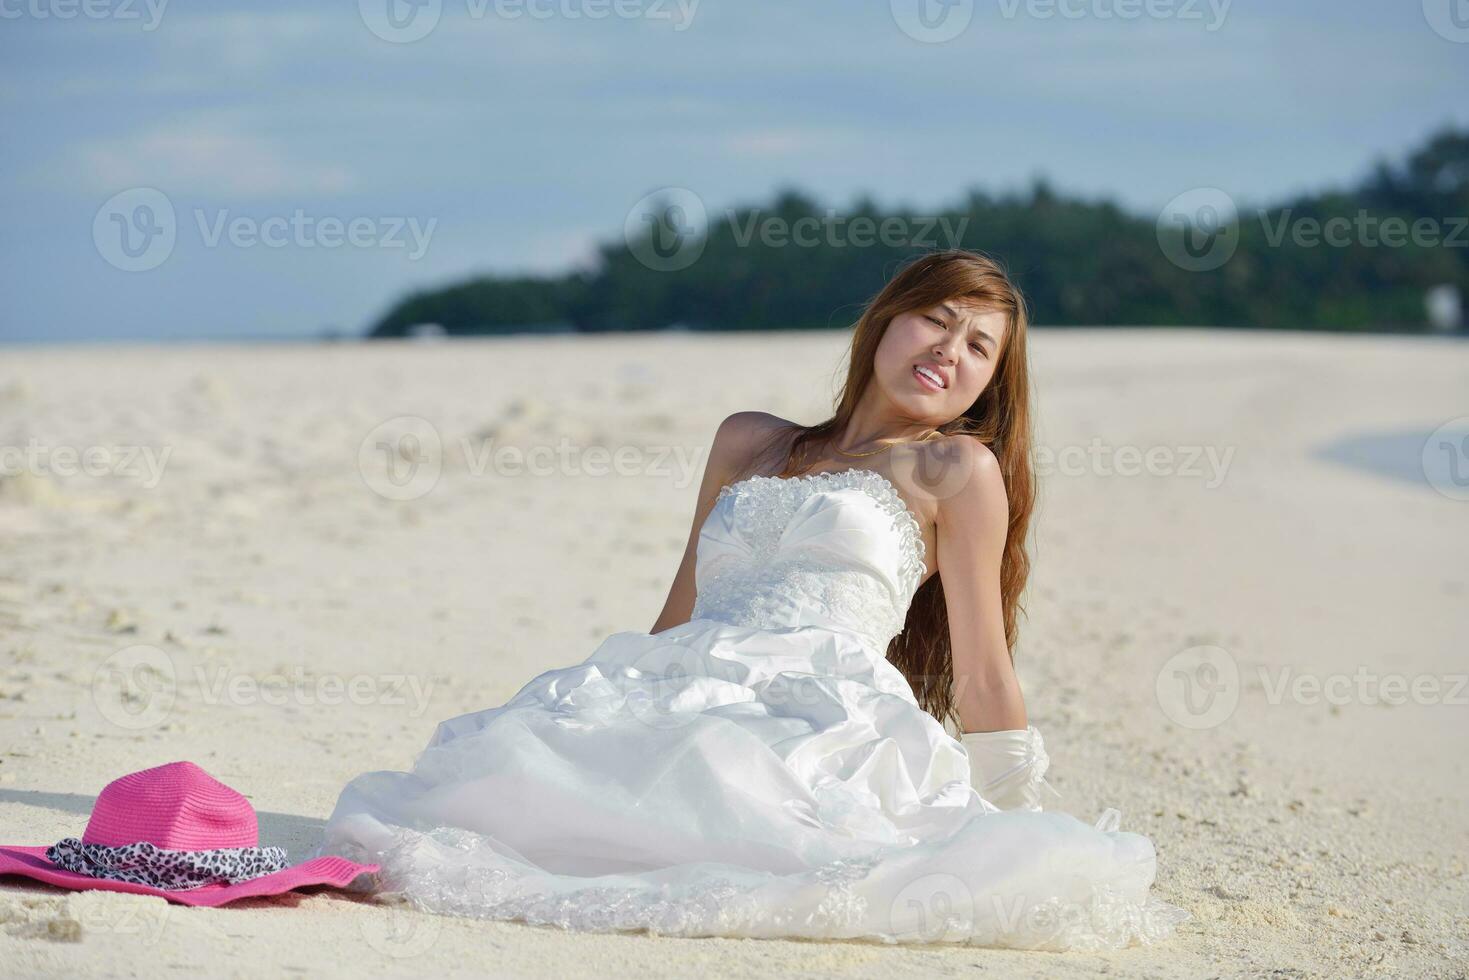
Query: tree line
x: 1358, y: 258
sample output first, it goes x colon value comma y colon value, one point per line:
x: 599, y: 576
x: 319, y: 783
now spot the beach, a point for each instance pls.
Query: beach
x: 207, y: 556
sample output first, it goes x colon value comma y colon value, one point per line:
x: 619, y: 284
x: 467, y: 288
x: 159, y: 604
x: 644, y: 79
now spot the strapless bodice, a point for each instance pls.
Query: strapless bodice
x: 839, y: 550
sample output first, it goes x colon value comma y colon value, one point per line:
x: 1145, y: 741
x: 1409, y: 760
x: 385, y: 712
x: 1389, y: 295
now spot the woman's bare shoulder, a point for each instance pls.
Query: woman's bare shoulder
x: 748, y: 429
x: 968, y: 475
x: 742, y: 437
x: 754, y: 424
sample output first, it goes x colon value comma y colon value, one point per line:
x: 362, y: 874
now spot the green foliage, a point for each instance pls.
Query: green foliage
x: 1078, y: 262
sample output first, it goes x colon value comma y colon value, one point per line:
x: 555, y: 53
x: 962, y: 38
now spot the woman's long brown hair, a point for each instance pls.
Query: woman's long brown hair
x: 1000, y: 418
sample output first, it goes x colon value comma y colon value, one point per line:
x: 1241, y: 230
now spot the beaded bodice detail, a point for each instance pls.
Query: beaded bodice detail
x: 838, y: 549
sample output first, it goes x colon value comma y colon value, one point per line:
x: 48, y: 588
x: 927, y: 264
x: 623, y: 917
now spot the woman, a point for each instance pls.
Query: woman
x: 771, y: 759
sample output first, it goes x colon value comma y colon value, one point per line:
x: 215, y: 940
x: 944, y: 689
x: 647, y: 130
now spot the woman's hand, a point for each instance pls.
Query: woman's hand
x: 1008, y: 768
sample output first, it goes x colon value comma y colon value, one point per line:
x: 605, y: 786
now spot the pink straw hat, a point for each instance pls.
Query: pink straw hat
x: 177, y: 832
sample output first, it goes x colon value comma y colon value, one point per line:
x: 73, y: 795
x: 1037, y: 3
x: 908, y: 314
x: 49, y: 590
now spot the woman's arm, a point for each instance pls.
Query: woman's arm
x: 972, y: 524
x: 731, y: 449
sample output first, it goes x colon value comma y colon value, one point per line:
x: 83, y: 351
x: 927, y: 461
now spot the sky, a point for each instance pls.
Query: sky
x: 285, y: 169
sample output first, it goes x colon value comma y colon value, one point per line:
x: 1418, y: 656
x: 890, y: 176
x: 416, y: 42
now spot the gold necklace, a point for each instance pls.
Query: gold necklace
x: 890, y: 445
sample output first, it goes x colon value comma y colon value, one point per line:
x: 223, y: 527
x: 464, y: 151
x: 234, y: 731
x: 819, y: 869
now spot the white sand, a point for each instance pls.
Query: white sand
x: 1308, y: 839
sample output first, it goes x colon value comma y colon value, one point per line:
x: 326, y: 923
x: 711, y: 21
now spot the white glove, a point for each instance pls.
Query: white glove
x: 1008, y: 768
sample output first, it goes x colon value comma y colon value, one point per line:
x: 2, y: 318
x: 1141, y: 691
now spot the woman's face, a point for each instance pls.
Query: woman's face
x: 935, y: 362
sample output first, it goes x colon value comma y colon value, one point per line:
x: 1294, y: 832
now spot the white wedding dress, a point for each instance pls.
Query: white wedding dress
x: 759, y: 771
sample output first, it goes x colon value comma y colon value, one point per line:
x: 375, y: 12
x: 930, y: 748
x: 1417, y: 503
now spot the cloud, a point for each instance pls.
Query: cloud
x: 207, y: 158
x: 775, y: 142
x: 247, y: 41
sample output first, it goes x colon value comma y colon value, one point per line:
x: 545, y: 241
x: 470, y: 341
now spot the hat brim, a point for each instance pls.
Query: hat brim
x: 329, y: 870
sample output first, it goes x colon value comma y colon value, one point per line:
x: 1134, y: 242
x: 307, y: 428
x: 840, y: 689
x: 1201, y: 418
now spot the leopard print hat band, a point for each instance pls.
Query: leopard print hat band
x: 144, y: 863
